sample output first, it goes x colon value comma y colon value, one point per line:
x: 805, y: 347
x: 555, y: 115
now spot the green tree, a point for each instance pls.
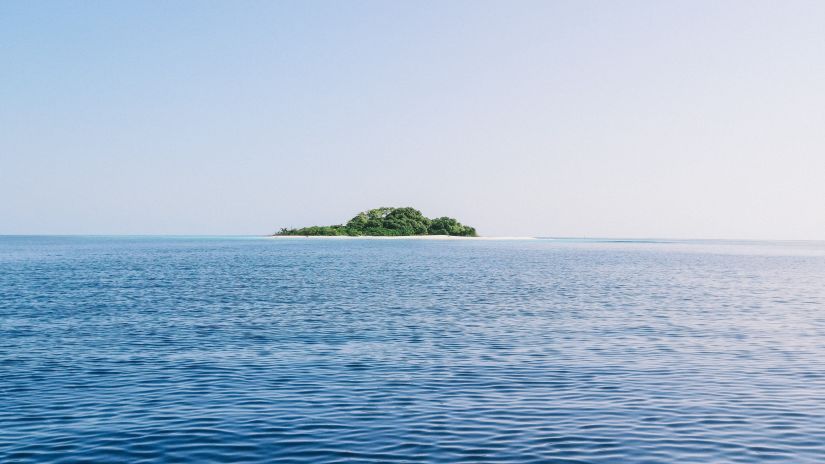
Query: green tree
x: 449, y: 226
x: 386, y: 221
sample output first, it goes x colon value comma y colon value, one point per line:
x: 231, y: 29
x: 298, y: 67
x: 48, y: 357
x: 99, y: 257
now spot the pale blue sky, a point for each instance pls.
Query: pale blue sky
x: 610, y: 118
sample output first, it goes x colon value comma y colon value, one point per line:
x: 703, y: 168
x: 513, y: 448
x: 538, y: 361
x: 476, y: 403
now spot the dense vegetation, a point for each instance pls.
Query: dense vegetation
x: 389, y: 222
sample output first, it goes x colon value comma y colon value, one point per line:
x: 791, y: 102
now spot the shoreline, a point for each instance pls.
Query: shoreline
x: 395, y: 237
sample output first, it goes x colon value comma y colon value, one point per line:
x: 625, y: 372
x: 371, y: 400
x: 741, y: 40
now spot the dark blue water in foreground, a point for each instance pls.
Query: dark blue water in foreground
x: 304, y: 350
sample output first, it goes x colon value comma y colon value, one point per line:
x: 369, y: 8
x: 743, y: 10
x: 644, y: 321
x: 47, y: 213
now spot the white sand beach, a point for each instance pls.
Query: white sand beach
x: 404, y: 237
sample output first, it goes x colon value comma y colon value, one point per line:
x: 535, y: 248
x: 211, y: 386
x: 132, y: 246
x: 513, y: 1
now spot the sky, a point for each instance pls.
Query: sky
x: 672, y: 119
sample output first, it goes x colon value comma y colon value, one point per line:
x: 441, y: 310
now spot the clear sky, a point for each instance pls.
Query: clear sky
x: 693, y: 119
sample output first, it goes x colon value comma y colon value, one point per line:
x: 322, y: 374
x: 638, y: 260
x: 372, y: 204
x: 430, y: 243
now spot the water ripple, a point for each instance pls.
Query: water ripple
x: 211, y: 350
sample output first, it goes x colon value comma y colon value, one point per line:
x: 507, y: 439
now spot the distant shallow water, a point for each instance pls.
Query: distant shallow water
x: 138, y: 349
x: 395, y: 237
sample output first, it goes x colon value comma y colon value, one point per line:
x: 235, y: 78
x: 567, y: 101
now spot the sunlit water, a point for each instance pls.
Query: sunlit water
x: 262, y: 350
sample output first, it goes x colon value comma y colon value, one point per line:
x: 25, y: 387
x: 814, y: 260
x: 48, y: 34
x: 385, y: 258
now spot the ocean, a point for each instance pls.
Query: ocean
x: 243, y: 349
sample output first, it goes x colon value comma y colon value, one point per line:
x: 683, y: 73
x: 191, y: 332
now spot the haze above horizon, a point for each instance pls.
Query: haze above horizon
x: 566, y: 119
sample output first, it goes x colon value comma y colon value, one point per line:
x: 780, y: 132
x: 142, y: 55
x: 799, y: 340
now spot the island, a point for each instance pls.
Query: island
x: 387, y: 222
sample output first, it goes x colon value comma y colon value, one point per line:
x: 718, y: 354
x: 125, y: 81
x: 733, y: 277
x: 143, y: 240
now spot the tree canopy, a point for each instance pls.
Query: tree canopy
x: 387, y: 221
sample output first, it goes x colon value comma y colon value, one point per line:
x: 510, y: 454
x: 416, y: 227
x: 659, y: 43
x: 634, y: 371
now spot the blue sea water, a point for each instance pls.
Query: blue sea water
x: 134, y: 349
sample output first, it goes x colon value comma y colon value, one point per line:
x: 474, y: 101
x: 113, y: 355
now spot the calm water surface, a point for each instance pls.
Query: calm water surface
x: 294, y: 350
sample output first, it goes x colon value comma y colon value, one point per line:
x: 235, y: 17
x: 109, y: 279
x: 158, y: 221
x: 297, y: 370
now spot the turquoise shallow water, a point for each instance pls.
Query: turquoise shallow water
x: 261, y: 350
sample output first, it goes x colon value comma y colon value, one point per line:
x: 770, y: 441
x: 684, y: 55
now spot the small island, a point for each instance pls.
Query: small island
x: 387, y: 222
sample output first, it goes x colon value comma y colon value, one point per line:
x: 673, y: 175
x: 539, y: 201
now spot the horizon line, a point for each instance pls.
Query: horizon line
x: 539, y: 237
